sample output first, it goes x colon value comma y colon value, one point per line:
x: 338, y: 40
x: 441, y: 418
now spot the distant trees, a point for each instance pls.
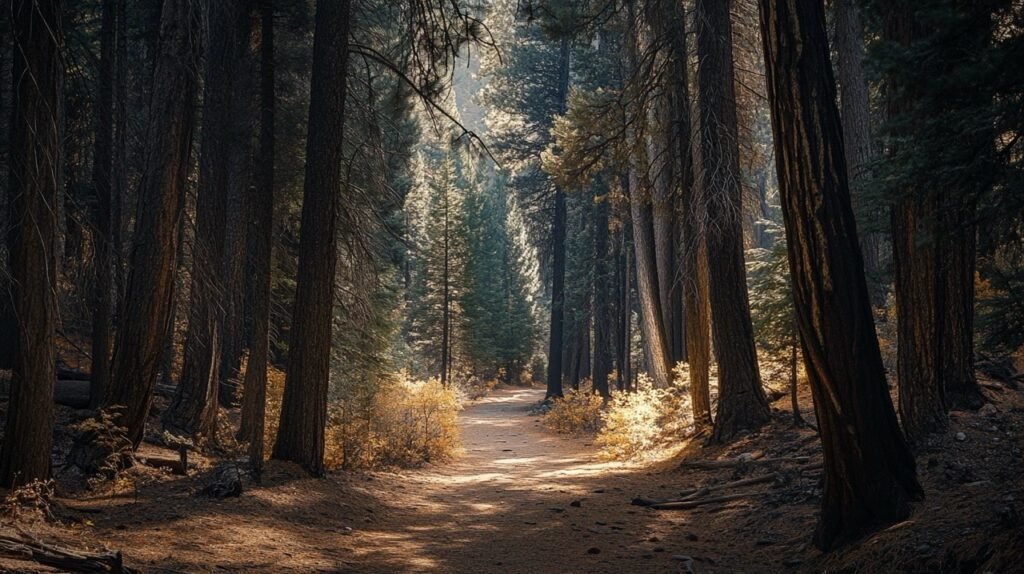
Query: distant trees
x: 437, y: 263
x: 34, y: 163
x: 469, y: 296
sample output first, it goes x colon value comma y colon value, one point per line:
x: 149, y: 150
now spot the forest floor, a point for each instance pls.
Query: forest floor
x: 523, y: 500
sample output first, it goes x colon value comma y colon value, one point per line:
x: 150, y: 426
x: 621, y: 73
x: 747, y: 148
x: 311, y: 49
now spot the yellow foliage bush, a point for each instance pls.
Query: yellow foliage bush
x: 394, y: 423
x: 399, y: 423
x: 644, y: 421
x: 578, y: 412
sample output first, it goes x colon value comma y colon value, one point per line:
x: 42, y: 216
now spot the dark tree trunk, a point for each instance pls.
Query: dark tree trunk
x: 102, y: 216
x: 254, y: 394
x: 869, y: 471
x: 239, y: 180
x: 119, y: 185
x: 34, y: 161
x: 8, y: 324
x: 957, y: 265
x: 602, y: 304
x: 934, y: 232
x: 558, y: 225
x: 193, y: 410
x: 741, y: 401
x: 849, y: 46
x: 300, y: 437
x: 922, y: 400
x: 150, y: 287
x: 692, y: 252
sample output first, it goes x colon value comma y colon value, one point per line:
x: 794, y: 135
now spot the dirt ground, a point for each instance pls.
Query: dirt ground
x: 522, y: 500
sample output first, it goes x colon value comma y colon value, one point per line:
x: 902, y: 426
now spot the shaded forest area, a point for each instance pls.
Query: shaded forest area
x: 257, y: 250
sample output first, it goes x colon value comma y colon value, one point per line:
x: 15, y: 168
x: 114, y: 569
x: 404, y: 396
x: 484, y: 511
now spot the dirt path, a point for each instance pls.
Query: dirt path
x: 520, y: 500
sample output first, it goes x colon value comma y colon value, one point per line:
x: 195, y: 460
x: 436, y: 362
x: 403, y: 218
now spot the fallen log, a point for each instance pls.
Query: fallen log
x: 687, y: 504
x: 690, y: 495
x: 63, y: 559
x: 175, y: 464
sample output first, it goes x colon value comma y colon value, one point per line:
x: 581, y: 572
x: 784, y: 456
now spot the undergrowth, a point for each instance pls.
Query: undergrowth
x: 578, y: 412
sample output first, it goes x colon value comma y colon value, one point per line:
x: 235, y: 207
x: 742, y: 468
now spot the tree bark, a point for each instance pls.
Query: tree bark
x: 741, y: 401
x: 34, y: 162
x: 102, y: 185
x: 869, y: 471
x: 193, y: 410
x: 558, y: 225
x: 300, y: 437
x: 254, y: 393
x: 853, y: 83
x: 150, y: 286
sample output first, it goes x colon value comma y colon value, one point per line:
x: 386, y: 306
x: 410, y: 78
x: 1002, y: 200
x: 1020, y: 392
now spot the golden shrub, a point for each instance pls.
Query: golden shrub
x: 578, y: 412
x: 645, y: 421
x: 395, y: 423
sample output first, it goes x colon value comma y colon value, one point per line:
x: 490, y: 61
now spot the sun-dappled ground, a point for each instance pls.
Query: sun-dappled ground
x: 522, y: 499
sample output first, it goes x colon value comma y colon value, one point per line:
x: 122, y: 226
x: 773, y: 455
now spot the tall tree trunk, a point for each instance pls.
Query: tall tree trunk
x: 916, y: 255
x: 602, y: 304
x: 34, y: 159
x: 193, y: 410
x: 119, y: 185
x: 656, y: 344
x: 558, y: 228
x: 957, y: 267
x: 869, y: 471
x: 853, y: 83
x: 692, y: 251
x: 8, y: 324
x: 239, y: 180
x: 741, y: 401
x: 254, y: 394
x: 663, y: 151
x: 150, y: 287
x: 300, y: 437
x: 103, y: 188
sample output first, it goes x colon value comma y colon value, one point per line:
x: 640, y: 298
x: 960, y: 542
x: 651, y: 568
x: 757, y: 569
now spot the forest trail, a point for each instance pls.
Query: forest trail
x: 523, y: 500
x: 520, y: 499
